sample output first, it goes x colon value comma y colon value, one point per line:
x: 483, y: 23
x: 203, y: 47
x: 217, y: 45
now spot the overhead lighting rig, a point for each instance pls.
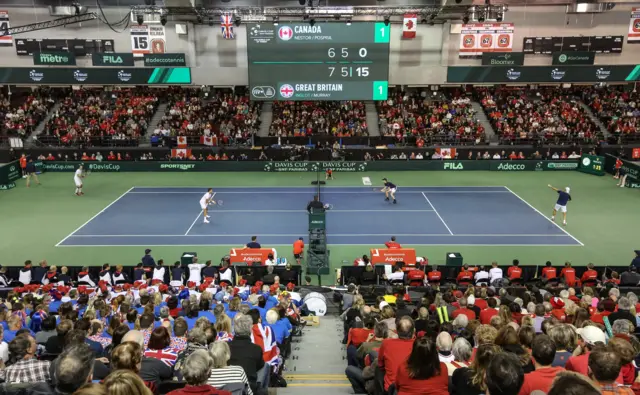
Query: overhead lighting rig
x: 67, y: 20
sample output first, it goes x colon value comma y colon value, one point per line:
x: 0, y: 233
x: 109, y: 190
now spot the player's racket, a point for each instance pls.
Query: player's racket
x: 218, y: 202
x: 328, y: 206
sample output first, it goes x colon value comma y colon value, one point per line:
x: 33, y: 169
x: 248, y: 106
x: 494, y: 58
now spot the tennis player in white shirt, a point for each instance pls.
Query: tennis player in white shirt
x: 77, y: 179
x: 205, y: 201
x: 195, y: 272
x: 482, y: 274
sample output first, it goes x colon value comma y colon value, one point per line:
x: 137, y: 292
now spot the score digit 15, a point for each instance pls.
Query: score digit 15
x: 349, y: 71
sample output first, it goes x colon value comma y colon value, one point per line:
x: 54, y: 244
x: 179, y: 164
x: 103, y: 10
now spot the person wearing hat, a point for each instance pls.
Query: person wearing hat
x: 561, y: 203
x: 589, y: 338
x: 147, y: 259
x: 557, y: 305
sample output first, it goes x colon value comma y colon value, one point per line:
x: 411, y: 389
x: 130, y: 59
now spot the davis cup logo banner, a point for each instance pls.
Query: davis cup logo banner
x: 477, y: 38
x: 286, y: 91
x: 285, y: 33
x: 633, y: 37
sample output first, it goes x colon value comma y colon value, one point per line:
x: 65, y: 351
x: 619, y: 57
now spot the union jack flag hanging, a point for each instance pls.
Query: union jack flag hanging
x: 227, y: 26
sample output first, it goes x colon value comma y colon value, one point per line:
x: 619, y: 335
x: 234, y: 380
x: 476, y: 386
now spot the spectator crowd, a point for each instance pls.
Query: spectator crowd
x: 307, y: 118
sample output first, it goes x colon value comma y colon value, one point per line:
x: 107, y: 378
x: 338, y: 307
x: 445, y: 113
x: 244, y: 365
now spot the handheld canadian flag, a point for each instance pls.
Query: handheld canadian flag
x: 409, y: 26
x: 209, y: 140
x: 182, y: 153
x: 182, y: 141
x: 447, y: 152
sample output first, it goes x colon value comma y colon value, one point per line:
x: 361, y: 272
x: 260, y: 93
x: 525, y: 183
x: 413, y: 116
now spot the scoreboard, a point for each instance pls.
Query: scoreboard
x: 592, y: 164
x: 549, y: 45
x: 79, y: 47
x: 326, y: 61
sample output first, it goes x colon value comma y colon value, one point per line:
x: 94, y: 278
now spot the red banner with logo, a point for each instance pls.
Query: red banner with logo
x: 249, y: 256
x: 635, y: 153
x: 476, y: 38
x: 384, y: 256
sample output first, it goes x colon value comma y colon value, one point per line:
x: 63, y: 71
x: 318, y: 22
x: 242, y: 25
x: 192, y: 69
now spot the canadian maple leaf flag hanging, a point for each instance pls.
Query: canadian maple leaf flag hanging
x: 409, y: 26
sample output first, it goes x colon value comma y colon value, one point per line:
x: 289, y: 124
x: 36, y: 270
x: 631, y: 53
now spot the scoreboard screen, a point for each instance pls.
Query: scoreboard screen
x: 326, y: 61
x: 549, y: 45
x: 79, y: 47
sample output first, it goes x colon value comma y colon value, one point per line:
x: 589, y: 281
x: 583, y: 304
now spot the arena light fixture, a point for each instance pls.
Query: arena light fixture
x: 348, y: 21
x: 275, y: 20
x: 387, y: 20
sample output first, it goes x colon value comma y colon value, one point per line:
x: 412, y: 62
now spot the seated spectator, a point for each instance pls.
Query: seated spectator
x: 196, y: 340
x: 73, y: 369
x: 246, y: 354
x: 461, y: 351
x: 464, y: 310
x: 25, y: 367
x: 444, y: 344
x: 394, y: 352
x: 126, y: 382
x: 470, y: 380
x: 565, y: 338
x: 48, y: 330
x: 568, y: 383
x: 222, y: 373
x: 340, y: 119
x: 127, y: 355
x: 504, y: 375
x: 543, y: 352
x: 604, y: 368
x: 159, y: 347
x: 627, y: 354
x: 196, y: 373
x: 423, y: 373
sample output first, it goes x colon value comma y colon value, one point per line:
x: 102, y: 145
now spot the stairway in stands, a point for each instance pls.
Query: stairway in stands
x: 372, y: 118
x: 595, y: 119
x: 318, y: 361
x: 490, y: 133
x: 266, y: 117
x: 40, y: 127
x: 153, y: 124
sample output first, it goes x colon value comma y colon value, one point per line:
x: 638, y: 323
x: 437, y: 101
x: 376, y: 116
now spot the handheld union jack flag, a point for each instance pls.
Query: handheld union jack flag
x: 227, y: 26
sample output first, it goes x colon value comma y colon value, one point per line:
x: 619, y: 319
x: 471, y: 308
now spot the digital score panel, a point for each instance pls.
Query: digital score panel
x: 326, y: 61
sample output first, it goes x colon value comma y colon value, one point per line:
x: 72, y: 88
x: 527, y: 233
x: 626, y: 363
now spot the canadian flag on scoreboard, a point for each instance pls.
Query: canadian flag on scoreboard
x: 208, y: 140
x: 182, y: 141
x: 409, y: 26
x: 447, y: 152
x: 182, y: 153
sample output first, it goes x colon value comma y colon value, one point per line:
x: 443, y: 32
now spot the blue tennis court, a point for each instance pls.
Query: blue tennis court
x: 471, y: 216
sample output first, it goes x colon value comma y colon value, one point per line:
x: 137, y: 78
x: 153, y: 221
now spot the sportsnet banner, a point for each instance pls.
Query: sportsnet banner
x: 633, y: 37
x: 180, y: 153
x: 147, y: 39
x: 477, y: 38
x: 5, y: 25
x: 409, y: 26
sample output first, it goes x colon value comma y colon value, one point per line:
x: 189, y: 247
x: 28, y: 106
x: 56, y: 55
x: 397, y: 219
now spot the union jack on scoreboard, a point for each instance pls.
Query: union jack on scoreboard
x: 227, y: 26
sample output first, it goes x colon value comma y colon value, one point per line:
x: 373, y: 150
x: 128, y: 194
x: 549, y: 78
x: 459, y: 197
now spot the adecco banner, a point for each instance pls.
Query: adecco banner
x: 288, y: 167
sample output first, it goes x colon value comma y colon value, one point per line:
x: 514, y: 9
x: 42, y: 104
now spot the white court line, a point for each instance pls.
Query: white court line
x: 339, y: 235
x: 326, y: 186
x: 91, y: 219
x: 438, y: 214
x: 311, y: 192
x: 545, y: 217
x: 198, y: 217
x: 328, y: 211
x: 331, y: 244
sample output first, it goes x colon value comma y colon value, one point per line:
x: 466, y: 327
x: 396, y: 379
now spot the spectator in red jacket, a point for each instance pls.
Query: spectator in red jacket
x: 515, y: 271
x: 557, y: 306
x: 196, y: 371
x: 392, y: 243
x: 568, y: 274
x: 464, y: 310
x: 394, y: 352
x: 589, y: 338
x: 422, y: 373
x: 434, y: 276
x: 543, y: 352
x: 489, y: 312
x: 590, y: 274
x: 465, y: 277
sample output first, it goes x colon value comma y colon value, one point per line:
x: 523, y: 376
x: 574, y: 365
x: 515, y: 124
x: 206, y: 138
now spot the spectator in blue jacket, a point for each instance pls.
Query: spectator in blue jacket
x: 147, y: 260
x: 278, y: 326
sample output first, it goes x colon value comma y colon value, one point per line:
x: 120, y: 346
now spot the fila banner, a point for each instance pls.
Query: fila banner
x: 147, y: 39
x: 115, y: 59
x: 5, y: 25
x: 633, y: 37
x: 478, y: 38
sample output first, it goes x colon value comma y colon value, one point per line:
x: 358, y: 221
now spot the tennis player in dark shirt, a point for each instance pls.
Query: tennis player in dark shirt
x: 561, y: 203
x: 389, y: 190
x: 30, y: 171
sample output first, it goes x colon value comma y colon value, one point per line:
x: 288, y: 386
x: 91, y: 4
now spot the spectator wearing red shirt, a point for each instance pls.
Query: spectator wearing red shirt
x: 589, y: 338
x: 604, y: 369
x: 111, y: 156
x: 590, y: 274
x: 549, y: 272
x: 434, y: 276
x: 543, y: 351
x: 515, y: 271
x: 605, y: 308
x: 464, y: 310
x: 489, y: 312
x: 557, y: 308
x: 465, y: 277
x: 422, y: 373
x: 568, y: 274
x: 392, y: 243
x: 481, y: 300
x: 394, y: 352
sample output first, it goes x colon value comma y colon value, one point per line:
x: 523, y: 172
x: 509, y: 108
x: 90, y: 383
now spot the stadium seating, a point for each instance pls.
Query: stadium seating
x: 23, y: 110
x: 340, y: 119
x: 543, y: 116
x: 407, y: 116
x: 618, y: 109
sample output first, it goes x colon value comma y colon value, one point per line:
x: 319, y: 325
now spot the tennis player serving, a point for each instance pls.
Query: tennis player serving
x: 205, y: 201
x: 389, y: 190
x: 561, y: 203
